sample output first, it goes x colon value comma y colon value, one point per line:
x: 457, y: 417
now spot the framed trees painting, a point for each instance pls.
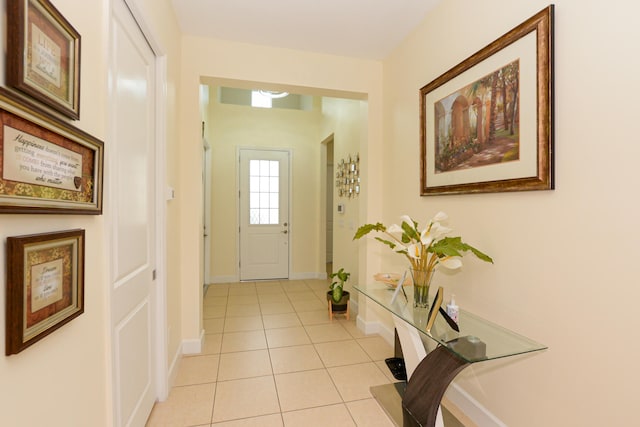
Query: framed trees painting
x: 45, y: 285
x: 486, y: 125
x: 43, y: 55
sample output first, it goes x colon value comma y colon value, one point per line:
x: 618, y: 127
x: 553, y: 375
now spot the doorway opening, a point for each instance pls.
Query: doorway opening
x: 313, y: 128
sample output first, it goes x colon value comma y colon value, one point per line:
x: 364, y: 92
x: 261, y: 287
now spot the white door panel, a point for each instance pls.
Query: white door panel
x: 132, y: 122
x: 264, y: 214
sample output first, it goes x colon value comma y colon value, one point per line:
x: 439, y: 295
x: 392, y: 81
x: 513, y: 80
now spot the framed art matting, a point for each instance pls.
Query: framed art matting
x: 43, y: 55
x: 46, y: 165
x: 486, y: 124
x: 45, y: 285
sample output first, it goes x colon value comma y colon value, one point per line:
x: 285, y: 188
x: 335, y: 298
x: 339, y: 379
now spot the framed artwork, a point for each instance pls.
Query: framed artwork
x: 45, y: 285
x: 43, y: 55
x: 46, y: 165
x: 486, y: 125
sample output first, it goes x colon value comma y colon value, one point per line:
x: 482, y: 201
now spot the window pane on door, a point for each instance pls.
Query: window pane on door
x: 264, y: 185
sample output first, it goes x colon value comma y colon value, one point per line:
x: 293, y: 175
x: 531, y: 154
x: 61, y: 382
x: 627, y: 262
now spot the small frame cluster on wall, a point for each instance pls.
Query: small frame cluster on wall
x: 348, y: 176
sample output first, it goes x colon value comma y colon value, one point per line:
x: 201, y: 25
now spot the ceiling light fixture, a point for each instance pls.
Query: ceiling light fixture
x: 273, y: 94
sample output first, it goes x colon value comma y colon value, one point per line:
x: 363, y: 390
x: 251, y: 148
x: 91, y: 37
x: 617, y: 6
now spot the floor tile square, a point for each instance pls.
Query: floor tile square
x: 315, y: 317
x: 284, y: 320
x: 309, y: 305
x: 368, y: 413
x: 249, y: 289
x: 239, y: 324
x: 274, y: 420
x: 212, y: 344
x: 214, y: 311
x: 334, y: 416
x: 339, y: 353
x: 376, y: 347
x: 294, y: 359
x: 243, y: 310
x: 276, y: 308
x: 245, y: 398
x: 197, y: 370
x: 243, y: 341
x: 273, y: 298
x: 352, y: 328
x: 217, y: 290
x: 245, y: 364
x: 284, y: 337
x: 353, y: 381
x: 308, y: 389
x: 305, y: 295
x: 243, y: 299
x: 213, y: 326
x: 186, y: 406
x: 214, y: 301
x: 329, y: 332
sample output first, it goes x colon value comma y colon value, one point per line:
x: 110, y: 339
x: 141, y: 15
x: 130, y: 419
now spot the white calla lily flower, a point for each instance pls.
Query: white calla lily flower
x: 414, y: 250
x: 451, y: 263
x: 440, y: 216
x: 407, y: 219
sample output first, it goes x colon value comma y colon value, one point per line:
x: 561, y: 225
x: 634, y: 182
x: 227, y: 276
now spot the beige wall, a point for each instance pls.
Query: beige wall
x: 566, y: 270
x: 346, y: 120
x: 64, y: 380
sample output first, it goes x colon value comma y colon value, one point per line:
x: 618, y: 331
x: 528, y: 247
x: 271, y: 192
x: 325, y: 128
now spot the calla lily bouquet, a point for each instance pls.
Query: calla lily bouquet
x: 426, y: 248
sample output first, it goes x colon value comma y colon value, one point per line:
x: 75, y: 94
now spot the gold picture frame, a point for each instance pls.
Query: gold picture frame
x: 486, y: 125
x: 45, y: 285
x: 46, y: 165
x: 43, y: 55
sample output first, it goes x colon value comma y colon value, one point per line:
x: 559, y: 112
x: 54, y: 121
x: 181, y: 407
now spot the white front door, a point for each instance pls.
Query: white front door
x: 132, y: 212
x: 264, y: 214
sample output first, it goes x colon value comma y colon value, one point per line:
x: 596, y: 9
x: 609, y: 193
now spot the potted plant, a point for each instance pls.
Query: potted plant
x: 337, y: 297
x: 426, y: 249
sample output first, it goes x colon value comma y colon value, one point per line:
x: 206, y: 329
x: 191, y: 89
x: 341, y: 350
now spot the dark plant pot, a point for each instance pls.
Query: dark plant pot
x: 341, y: 306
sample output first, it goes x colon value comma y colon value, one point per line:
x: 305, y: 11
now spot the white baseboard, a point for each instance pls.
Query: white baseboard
x: 376, y: 327
x: 223, y: 279
x: 193, y: 346
x: 293, y: 276
x: 173, y: 367
x: 308, y: 275
x: 471, y: 408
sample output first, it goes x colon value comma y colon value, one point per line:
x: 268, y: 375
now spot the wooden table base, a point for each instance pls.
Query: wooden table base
x: 427, y: 385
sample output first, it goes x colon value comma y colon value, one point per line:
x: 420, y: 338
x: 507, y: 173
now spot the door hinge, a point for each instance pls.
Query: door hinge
x: 153, y: 274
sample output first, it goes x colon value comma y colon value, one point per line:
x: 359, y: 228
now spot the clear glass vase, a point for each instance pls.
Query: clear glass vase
x: 421, y: 284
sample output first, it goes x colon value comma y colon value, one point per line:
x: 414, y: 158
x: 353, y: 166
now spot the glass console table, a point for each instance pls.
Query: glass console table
x: 478, y: 340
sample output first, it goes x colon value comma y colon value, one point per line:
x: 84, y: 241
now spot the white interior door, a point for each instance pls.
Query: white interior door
x: 264, y: 214
x: 132, y: 211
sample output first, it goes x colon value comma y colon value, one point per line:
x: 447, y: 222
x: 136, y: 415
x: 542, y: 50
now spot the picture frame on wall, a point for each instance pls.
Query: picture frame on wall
x: 45, y: 285
x: 43, y: 55
x: 486, y: 125
x: 46, y: 165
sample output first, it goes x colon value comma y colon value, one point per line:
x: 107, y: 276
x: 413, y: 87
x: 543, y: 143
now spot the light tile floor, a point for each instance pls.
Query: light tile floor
x: 273, y: 358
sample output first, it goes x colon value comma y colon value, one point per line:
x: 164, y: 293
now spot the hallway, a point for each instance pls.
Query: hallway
x: 272, y: 358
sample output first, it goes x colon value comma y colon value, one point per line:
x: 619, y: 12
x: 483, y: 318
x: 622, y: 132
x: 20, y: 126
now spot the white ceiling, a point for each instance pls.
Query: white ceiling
x: 358, y: 28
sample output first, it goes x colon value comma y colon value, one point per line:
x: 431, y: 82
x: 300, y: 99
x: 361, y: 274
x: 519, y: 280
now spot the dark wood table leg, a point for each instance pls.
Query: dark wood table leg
x: 427, y: 385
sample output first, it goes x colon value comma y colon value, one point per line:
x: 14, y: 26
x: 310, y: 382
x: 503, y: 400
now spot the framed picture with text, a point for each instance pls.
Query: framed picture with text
x: 43, y: 55
x: 486, y: 125
x: 45, y: 285
x: 46, y: 165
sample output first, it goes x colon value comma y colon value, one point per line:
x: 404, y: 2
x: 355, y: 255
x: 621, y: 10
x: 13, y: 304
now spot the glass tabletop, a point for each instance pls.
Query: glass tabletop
x: 478, y: 339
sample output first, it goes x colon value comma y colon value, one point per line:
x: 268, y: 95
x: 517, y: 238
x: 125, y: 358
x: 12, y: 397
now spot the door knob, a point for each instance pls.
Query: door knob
x: 285, y: 231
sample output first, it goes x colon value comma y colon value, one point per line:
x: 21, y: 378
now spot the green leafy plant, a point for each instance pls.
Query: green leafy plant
x: 337, y: 285
x: 425, y: 249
